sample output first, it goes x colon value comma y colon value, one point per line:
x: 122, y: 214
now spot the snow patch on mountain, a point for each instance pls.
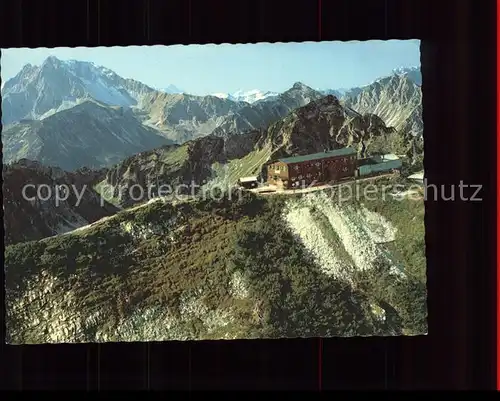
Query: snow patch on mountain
x: 250, y: 96
x: 223, y: 95
x: 55, y: 85
x: 171, y: 89
x: 412, y: 73
x: 103, y: 92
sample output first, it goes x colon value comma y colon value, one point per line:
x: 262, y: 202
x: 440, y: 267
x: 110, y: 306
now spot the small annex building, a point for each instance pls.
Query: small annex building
x: 378, y: 164
x: 248, y: 182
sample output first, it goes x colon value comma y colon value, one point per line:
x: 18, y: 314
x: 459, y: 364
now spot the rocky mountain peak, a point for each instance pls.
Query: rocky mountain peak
x: 397, y: 99
x: 328, y: 100
x: 302, y: 92
x: 325, y: 124
x: 26, y: 68
x: 51, y: 62
x: 300, y: 87
x: 327, y: 104
x: 412, y: 73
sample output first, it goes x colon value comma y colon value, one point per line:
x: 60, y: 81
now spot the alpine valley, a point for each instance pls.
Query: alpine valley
x: 103, y: 266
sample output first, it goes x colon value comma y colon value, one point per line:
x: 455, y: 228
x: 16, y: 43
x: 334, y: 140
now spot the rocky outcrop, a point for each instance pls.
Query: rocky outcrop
x: 324, y: 124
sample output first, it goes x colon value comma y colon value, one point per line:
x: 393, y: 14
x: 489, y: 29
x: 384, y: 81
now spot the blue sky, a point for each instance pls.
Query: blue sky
x: 208, y: 69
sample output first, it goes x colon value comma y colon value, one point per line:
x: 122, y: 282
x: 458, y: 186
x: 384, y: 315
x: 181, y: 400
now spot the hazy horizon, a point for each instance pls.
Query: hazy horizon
x: 226, y: 68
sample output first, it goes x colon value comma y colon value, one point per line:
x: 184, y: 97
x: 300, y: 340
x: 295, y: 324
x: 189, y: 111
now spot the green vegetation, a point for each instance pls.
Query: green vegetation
x: 408, y: 296
x: 106, y: 192
x: 249, y: 165
x: 176, y: 157
x: 297, y: 298
x: 152, y: 256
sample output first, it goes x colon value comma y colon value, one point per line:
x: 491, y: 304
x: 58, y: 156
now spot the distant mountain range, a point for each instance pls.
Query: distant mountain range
x: 396, y: 99
x: 114, y: 268
x: 90, y: 134
x: 171, y: 89
x: 322, y: 124
x: 74, y: 114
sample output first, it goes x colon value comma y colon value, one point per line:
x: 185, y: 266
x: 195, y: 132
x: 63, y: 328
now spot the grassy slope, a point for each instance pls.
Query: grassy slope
x: 249, y: 165
x: 201, y: 251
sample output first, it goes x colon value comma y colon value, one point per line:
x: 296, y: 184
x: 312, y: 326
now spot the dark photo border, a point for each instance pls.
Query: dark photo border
x: 458, y: 69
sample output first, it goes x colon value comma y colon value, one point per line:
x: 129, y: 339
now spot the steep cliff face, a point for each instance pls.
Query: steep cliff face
x: 395, y: 99
x: 38, y: 91
x: 398, y: 101
x: 183, y: 117
x: 109, y: 263
x: 30, y: 217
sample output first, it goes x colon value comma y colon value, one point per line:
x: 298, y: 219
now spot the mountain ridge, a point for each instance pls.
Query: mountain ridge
x: 63, y: 139
x: 213, y: 159
x: 36, y: 90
